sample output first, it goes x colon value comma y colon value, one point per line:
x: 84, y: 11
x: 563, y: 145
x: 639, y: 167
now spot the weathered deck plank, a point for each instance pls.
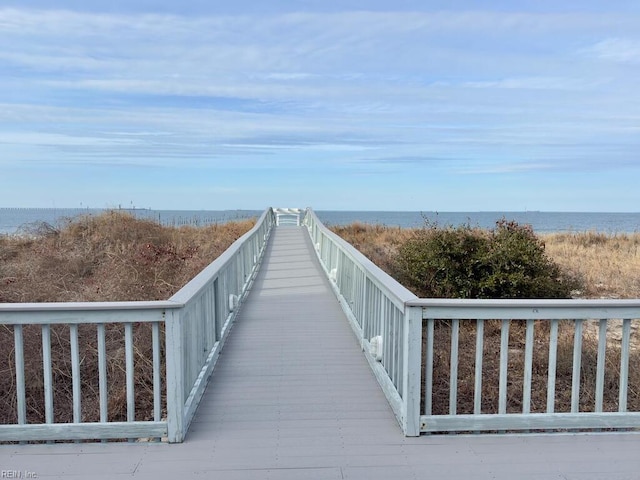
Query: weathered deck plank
x: 293, y: 398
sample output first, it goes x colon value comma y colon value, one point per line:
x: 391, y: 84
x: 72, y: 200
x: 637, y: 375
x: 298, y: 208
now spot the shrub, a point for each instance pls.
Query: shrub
x: 464, y: 262
x: 442, y: 262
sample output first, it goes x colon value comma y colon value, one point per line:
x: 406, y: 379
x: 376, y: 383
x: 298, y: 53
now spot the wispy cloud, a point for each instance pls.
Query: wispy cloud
x: 448, y: 92
x: 498, y: 168
x: 618, y: 50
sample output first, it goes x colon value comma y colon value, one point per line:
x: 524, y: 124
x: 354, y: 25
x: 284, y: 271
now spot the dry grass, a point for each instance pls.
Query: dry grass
x: 378, y: 243
x: 110, y: 257
x: 609, y: 265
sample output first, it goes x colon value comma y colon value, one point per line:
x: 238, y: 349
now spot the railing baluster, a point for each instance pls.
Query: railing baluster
x: 380, y: 319
x: 397, y: 344
x: 157, y: 391
x: 504, y: 364
x: 368, y: 308
x: 453, y: 371
x: 624, y: 365
x: 477, y: 391
x: 48, y: 376
x: 102, y: 373
x: 19, y: 361
x: 428, y: 380
x: 528, y: 367
x: 577, y: 359
x: 402, y: 346
x: 602, y: 349
x: 389, y: 353
x: 75, y: 372
x: 128, y: 349
x: 553, y: 358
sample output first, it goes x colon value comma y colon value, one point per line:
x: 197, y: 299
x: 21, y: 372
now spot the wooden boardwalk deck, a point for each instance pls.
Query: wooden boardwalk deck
x: 293, y: 398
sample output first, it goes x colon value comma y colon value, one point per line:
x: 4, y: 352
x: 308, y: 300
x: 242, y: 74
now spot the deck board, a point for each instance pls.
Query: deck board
x: 292, y: 397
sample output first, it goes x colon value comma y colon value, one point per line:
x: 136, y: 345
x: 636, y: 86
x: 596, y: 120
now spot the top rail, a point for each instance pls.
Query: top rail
x: 288, y: 216
x: 391, y: 286
x: 194, y: 286
x: 536, y: 309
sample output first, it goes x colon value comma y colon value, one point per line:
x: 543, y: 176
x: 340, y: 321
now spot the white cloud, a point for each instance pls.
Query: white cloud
x: 618, y: 49
x: 493, y: 168
x: 52, y: 139
x: 537, y: 83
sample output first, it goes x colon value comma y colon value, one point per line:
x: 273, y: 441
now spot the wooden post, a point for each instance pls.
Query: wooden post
x: 175, y: 379
x: 412, y: 351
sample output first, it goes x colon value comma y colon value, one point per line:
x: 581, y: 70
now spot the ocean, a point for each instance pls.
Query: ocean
x: 16, y: 220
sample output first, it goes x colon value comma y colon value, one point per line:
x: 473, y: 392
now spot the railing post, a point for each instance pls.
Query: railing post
x: 412, y: 343
x: 175, y: 376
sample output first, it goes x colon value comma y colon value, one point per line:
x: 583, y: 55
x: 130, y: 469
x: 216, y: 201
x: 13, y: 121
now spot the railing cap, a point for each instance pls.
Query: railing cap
x: 88, y: 306
x: 381, y: 277
x: 524, y: 303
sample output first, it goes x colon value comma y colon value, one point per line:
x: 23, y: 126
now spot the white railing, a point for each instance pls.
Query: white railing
x: 375, y: 306
x: 93, y: 322
x: 429, y: 346
x: 288, y: 216
x: 196, y: 322
x: 583, y: 343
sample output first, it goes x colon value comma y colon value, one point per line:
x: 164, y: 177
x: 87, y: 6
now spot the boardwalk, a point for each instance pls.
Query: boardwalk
x: 293, y: 398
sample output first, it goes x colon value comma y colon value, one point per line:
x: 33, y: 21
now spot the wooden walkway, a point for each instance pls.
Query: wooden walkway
x: 293, y: 398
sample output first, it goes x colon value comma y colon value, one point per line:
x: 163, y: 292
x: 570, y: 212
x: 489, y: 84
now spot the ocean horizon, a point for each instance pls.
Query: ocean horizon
x: 17, y: 220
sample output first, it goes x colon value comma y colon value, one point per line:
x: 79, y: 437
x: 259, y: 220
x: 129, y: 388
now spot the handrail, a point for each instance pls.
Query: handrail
x: 590, y: 363
x: 424, y: 331
x: 374, y: 304
x: 196, y: 321
x: 537, y: 309
x: 391, y: 286
x: 83, y: 306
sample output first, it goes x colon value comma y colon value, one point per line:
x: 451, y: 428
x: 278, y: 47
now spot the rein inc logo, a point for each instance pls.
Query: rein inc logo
x: 17, y: 474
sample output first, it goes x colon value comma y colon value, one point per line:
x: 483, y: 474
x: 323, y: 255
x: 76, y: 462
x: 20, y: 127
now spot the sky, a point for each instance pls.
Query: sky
x: 334, y: 104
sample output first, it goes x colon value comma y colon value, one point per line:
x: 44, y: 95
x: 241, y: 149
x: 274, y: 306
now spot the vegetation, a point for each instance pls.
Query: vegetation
x: 608, y: 266
x: 584, y: 265
x: 110, y: 257
x: 463, y: 262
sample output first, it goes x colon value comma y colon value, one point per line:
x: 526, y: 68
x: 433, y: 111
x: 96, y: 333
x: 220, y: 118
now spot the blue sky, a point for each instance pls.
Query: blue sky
x: 345, y: 105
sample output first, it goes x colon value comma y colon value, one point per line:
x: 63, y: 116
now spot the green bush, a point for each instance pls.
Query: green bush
x: 464, y: 262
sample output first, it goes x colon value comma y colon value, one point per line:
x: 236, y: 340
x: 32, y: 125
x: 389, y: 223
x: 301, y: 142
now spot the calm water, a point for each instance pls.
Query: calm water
x: 13, y: 220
